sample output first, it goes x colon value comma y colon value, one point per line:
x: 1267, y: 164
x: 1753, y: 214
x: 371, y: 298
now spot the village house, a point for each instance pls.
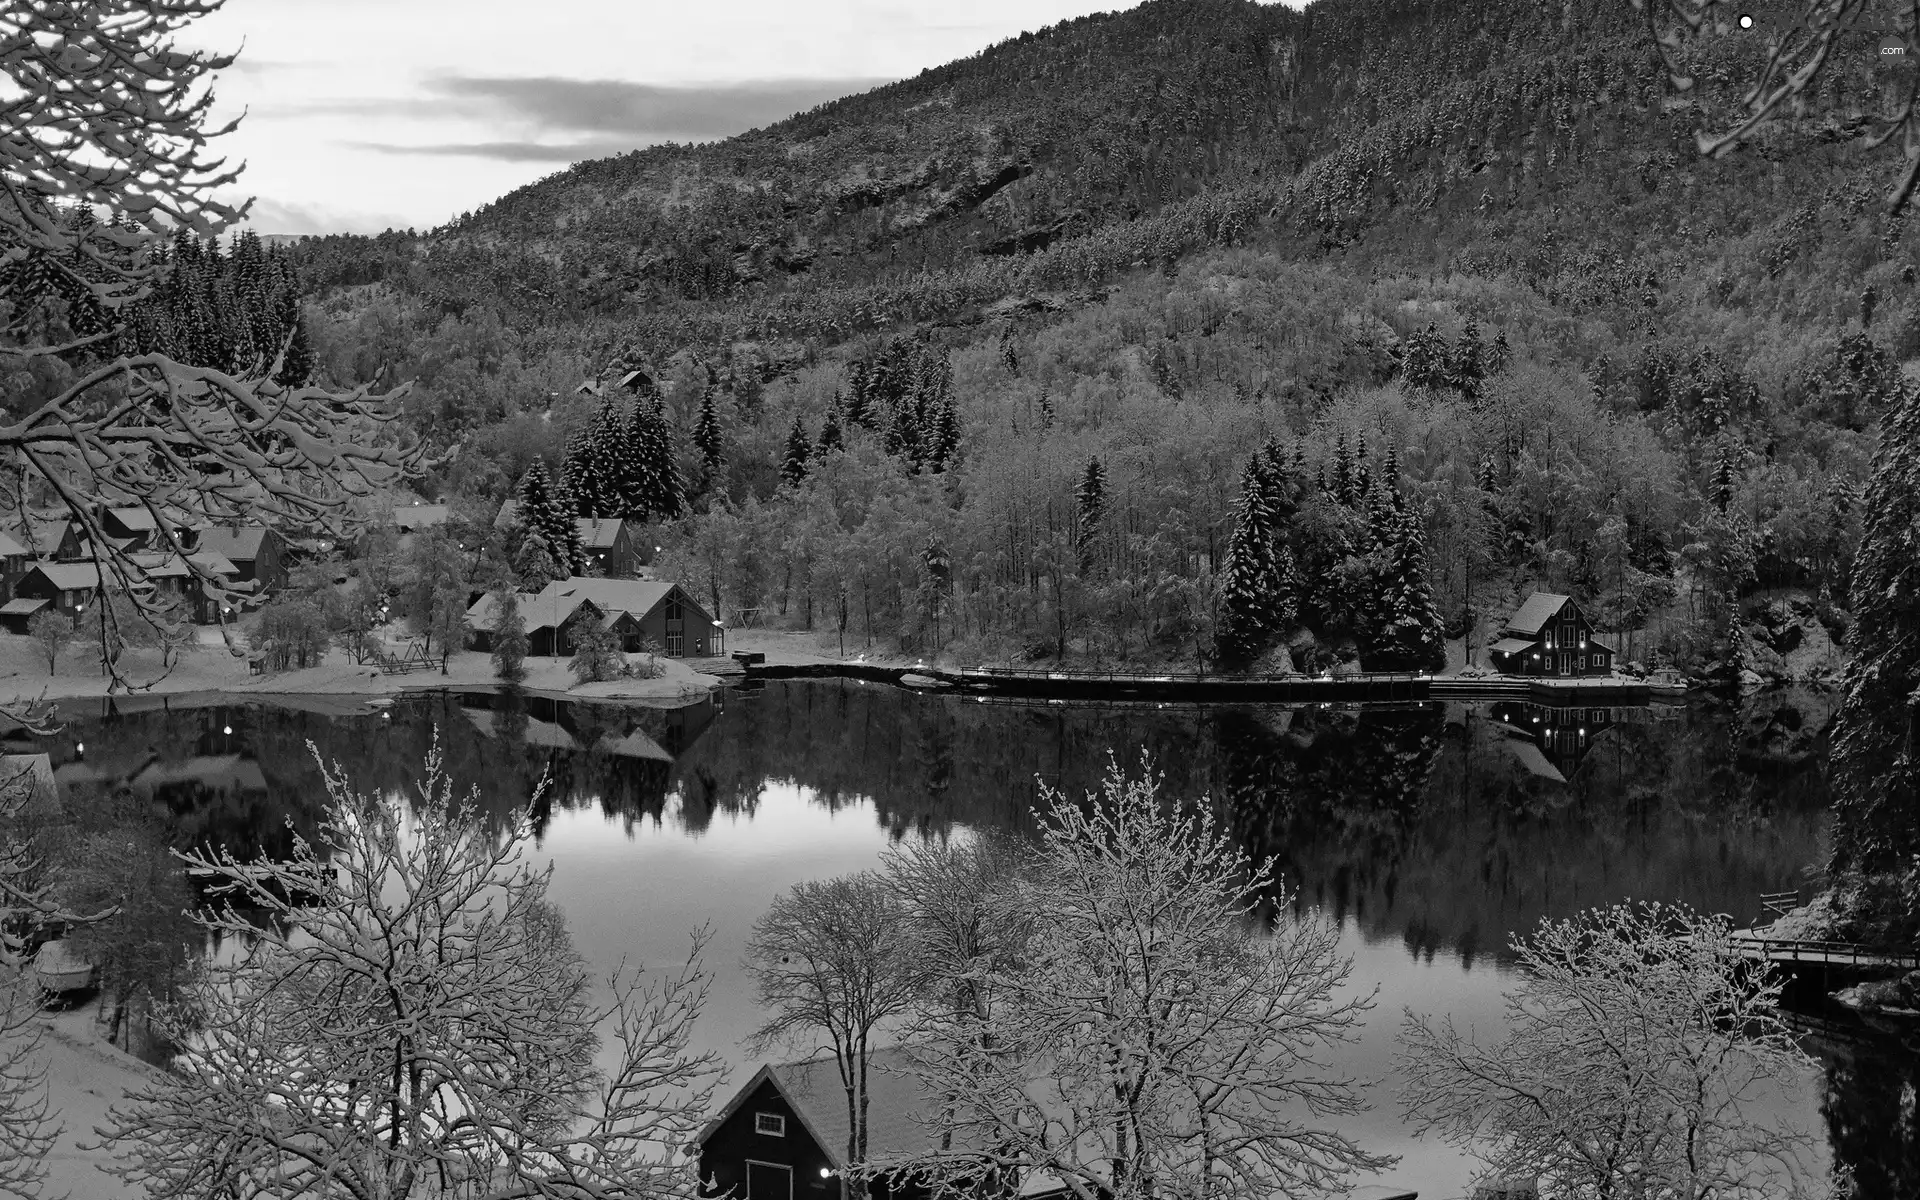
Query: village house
x: 553, y: 623
x: 14, y: 561
x: 1549, y: 635
x: 784, y: 1134
x: 258, y: 553
x: 614, y: 547
x: 663, y: 611
x: 70, y: 587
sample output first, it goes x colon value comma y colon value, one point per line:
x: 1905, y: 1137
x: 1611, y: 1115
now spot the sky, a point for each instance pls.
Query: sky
x: 363, y: 115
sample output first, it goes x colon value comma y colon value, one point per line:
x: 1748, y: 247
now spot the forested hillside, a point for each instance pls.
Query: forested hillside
x: 983, y: 356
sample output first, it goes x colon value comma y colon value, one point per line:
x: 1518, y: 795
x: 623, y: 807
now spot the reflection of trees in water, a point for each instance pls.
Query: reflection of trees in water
x: 1872, y: 1087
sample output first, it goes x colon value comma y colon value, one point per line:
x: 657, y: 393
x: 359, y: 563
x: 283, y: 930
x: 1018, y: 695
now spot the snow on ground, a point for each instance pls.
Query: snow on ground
x: 85, y: 1077
x: 212, y: 667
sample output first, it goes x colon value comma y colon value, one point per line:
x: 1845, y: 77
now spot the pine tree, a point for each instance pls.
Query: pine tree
x: 793, y: 467
x: 707, y: 437
x: 1091, y: 499
x: 1342, y: 470
x: 859, y: 405
x: 1009, y: 359
x: 536, y: 564
x: 1046, y: 409
x: 1362, y: 474
x: 656, y: 490
x: 1407, y: 634
x: 510, y: 633
x: 1466, y: 367
x: 1254, y: 603
x: 946, y: 435
x: 1875, y: 774
x: 1725, y: 471
x: 546, y: 508
x: 1500, y: 356
x: 831, y: 438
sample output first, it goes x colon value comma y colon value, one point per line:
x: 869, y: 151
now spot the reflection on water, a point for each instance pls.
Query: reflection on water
x: 1431, y: 832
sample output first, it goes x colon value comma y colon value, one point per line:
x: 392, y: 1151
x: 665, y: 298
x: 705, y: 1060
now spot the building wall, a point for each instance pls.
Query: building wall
x: 724, y: 1155
x: 695, y: 631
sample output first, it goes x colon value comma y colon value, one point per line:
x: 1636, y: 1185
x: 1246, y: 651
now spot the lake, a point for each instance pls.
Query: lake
x: 1430, y: 833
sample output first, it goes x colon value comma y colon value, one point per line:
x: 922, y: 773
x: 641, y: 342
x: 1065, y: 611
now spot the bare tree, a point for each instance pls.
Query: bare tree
x: 27, y: 1126
x: 411, y: 1020
x: 108, y: 111
x: 1798, y: 53
x: 1152, y: 1040
x: 831, y: 964
x: 961, y: 930
x: 1639, y: 1046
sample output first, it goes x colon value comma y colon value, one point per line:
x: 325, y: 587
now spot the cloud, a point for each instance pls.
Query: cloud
x: 644, y: 111
x: 571, y: 152
x: 269, y: 215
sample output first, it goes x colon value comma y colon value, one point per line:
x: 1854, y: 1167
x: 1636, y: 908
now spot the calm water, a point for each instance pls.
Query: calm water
x: 1429, y: 833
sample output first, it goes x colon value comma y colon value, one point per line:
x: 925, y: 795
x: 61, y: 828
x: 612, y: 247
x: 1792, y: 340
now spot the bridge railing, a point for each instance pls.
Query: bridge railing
x: 1821, y: 950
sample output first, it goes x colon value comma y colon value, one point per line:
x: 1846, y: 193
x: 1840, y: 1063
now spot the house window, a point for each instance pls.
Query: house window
x: 673, y: 645
x: 771, y: 1124
x: 1583, y: 662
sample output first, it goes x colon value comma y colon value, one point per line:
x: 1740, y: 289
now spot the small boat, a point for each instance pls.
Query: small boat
x: 58, y: 969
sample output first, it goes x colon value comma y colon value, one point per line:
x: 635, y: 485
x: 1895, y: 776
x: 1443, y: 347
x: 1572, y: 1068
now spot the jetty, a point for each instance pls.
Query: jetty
x: 1824, y: 962
x: 1374, y: 687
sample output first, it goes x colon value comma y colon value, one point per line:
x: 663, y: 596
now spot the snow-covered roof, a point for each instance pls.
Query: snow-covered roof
x: 1512, y: 645
x: 237, y: 542
x: 897, y: 1104
x: 10, y: 546
x: 541, y: 611
x: 75, y: 576
x: 1537, y: 611
x: 22, y: 607
x: 637, y: 596
x: 598, y: 533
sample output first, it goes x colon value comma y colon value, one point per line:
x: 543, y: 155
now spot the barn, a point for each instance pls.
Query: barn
x: 1549, y: 635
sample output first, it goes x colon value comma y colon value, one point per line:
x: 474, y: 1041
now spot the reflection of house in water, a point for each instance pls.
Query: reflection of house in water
x: 1550, y: 741
x: 620, y: 757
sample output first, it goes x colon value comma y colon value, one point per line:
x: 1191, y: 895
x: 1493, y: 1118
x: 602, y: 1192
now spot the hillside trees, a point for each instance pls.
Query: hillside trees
x: 1876, y: 732
x: 309, y: 1073
x: 113, y: 114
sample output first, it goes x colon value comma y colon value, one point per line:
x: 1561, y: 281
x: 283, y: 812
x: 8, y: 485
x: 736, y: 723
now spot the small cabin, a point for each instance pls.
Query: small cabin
x: 784, y: 1135
x: 1549, y: 635
x: 258, y: 553
x: 613, y: 547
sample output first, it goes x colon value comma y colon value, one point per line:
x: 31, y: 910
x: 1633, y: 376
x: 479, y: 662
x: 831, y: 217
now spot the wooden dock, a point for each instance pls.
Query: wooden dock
x: 1362, y: 688
x: 1798, y: 954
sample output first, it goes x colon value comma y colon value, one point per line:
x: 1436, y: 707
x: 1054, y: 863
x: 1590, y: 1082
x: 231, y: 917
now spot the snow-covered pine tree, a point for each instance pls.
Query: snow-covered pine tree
x: 859, y: 404
x: 546, y: 507
x: 1090, y: 499
x: 1362, y: 473
x: 1407, y: 633
x: 1046, y: 408
x: 1499, y: 355
x: 1876, y: 732
x: 1252, y: 609
x: 1467, y: 366
x: 946, y: 434
x: 658, y: 491
x: 794, y: 463
x: 831, y: 436
x: 1342, y: 470
x: 708, y: 437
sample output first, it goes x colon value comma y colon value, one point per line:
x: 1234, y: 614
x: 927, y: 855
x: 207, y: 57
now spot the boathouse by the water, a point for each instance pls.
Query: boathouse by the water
x: 1549, y: 635
x: 784, y: 1134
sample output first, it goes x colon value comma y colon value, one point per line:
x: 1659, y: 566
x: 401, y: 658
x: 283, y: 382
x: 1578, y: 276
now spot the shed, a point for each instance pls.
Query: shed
x: 15, y: 614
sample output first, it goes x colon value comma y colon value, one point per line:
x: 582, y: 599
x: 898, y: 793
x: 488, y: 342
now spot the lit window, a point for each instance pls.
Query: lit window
x: 772, y: 1124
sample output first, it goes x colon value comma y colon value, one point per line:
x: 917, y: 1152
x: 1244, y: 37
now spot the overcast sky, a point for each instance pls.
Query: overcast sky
x: 369, y: 114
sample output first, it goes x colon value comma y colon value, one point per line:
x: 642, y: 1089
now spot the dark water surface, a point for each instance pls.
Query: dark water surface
x: 1430, y: 833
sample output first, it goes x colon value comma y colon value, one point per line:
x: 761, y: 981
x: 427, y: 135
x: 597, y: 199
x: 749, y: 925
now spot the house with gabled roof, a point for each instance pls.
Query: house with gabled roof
x: 1549, y: 635
x: 785, y: 1134
x: 257, y: 552
x: 664, y: 611
x: 552, y: 622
